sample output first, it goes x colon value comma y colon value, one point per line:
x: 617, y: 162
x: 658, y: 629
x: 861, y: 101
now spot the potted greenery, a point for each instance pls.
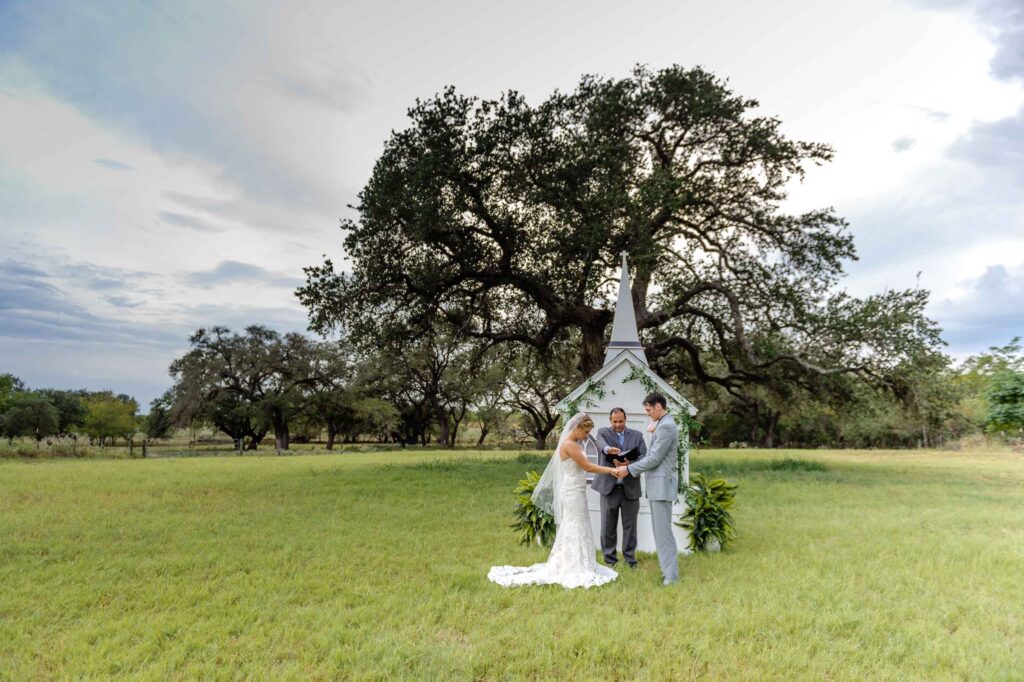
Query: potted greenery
x: 532, y: 523
x: 707, y: 518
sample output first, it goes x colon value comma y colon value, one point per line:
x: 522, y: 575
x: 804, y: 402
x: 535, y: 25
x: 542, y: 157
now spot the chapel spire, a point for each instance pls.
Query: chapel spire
x: 624, y: 332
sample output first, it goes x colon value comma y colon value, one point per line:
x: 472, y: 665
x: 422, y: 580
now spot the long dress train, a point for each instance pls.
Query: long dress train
x: 571, y: 562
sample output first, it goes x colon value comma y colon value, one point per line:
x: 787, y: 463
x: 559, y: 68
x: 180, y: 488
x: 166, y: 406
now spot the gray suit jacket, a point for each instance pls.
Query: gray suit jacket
x: 605, y: 483
x: 660, y: 463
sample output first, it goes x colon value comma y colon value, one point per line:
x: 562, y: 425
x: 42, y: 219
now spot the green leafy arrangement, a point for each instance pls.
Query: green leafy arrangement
x: 707, y: 511
x: 594, y: 390
x: 532, y: 523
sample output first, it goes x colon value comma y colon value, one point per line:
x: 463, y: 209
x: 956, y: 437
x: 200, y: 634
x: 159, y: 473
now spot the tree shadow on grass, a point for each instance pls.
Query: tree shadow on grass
x: 785, y: 468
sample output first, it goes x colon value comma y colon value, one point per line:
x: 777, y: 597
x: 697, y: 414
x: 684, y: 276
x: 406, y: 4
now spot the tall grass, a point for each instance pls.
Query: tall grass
x: 372, y: 566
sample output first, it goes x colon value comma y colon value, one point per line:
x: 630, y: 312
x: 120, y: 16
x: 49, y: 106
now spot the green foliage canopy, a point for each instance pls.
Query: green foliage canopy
x: 1006, y: 402
x: 29, y: 414
x: 109, y: 418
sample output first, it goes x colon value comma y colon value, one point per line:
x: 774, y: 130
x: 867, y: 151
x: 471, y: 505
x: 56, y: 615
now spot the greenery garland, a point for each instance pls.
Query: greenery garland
x: 593, y: 390
x: 680, y: 413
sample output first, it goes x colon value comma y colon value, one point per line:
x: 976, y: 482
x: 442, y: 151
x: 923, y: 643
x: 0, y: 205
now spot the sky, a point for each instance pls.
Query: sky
x: 168, y: 166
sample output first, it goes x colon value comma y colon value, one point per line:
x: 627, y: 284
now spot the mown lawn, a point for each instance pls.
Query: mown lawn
x: 850, y: 565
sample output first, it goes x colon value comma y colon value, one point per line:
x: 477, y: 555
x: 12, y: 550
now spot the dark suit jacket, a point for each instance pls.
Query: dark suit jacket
x: 605, y: 483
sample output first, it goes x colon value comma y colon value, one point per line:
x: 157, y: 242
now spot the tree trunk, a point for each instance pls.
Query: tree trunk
x: 455, y: 425
x: 483, y: 434
x: 331, y: 434
x: 593, y: 348
x: 444, y: 427
x: 281, y: 438
x: 769, y: 436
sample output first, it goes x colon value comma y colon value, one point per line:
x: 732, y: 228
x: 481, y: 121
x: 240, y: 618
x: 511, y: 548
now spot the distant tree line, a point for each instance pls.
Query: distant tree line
x: 100, y: 416
x: 423, y: 389
x: 417, y: 389
x: 259, y: 385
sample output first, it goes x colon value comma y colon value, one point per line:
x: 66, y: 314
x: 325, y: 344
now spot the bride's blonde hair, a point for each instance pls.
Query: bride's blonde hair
x: 584, y: 423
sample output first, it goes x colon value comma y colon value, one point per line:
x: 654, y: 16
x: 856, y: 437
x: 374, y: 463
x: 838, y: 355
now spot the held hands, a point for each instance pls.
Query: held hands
x: 621, y: 472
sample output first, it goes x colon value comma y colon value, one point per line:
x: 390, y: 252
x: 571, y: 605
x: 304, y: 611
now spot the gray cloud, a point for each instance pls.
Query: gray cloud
x: 996, y: 146
x: 37, y: 310
x: 18, y: 268
x: 188, y: 221
x: 1004, y: 20
x: 298, y: 247
x: 98, y: 277
x: 230, y: 271
x: 51, y: 340
x: 246, y: 212
x: 336, y: 93
x: 903, y: 144
x: 122, y: 301
x: 991, y: 313
x: 237, y: 318
x: 112, y: 165
x: 22, y: 288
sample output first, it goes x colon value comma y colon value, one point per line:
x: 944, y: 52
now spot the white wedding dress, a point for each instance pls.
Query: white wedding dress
x: 571, y: 562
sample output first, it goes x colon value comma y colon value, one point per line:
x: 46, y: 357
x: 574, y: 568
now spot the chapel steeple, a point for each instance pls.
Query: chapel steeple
x: 624, y: 332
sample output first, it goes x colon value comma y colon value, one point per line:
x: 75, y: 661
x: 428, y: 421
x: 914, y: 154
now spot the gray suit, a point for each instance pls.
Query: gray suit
x: 618, y: 496
x: 659, y: 467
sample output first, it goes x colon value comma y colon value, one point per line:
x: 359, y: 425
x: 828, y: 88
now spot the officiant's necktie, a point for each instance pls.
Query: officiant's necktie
x: 622, y: 446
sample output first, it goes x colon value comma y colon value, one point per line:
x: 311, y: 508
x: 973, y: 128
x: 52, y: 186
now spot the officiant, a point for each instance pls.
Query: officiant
x: 615, y: 444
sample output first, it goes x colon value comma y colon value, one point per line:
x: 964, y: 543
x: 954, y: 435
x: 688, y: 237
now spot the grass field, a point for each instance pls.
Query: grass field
x: 849, y: 565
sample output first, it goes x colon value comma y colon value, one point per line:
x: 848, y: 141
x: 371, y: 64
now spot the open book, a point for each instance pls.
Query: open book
x: 630, y: 455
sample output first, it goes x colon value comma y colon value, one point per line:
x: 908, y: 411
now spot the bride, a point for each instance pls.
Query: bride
x: 562, y: 492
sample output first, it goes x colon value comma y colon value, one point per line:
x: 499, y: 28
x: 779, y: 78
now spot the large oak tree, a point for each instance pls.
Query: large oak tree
x: 509, y: 219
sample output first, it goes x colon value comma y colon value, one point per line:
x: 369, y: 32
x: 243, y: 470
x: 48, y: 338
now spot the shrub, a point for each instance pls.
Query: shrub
x: 533, y: 524
x: 707, y: 515
x: 68, y: 450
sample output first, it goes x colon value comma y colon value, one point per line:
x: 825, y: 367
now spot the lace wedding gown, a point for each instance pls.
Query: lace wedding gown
x: 571, y: 562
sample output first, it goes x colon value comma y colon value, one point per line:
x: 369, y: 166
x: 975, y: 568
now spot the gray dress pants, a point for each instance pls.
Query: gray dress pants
x: 664, y: 540
x: 611, y: 505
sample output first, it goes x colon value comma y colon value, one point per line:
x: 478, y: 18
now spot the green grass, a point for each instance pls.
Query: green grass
x: 849, y: 565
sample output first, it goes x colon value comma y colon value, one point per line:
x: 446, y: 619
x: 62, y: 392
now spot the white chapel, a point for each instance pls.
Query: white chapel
x: 619, y: 384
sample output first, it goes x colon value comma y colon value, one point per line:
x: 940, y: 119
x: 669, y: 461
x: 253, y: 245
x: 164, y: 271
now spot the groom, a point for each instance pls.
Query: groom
x: 618, y: 494
x: 662, y: 482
